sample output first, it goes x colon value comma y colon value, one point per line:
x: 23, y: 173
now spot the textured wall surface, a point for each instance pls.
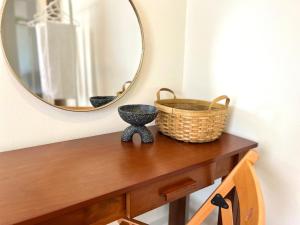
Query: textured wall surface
x: 250, y: 50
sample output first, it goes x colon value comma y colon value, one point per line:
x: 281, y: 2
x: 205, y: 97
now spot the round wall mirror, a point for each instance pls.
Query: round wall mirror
x: 75, y: 55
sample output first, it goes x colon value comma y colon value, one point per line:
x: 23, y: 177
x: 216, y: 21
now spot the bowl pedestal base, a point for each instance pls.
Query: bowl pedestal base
x: 143, y: 131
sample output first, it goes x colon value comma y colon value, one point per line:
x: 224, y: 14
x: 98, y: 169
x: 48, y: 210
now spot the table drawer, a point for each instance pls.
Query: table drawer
x: 151, y: 196
x: 100, y: 213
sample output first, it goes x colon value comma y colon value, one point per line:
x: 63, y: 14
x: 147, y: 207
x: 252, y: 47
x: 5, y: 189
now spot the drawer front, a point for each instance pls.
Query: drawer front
x: 169, y: 189
x: 100, y: 213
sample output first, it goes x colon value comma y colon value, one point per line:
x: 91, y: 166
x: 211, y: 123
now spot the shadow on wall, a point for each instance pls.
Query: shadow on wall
x: 274, y: 180
x: 199, y: 47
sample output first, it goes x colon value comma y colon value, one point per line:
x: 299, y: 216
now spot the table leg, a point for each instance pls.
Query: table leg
x: 178, y: 211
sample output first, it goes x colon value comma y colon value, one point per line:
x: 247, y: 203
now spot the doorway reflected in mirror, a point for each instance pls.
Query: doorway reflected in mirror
x: 69, y: 52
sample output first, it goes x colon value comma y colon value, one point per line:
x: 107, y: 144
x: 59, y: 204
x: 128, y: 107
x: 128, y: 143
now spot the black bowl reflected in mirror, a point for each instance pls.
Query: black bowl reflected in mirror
x: 138, y: 116
x: 99, y: 101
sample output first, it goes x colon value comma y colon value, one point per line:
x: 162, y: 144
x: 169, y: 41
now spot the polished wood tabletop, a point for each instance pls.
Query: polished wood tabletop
x: 41, y: 182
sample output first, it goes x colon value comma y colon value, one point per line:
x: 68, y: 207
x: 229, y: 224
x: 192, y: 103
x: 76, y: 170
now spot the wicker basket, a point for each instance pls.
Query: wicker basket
x: 190, y: 120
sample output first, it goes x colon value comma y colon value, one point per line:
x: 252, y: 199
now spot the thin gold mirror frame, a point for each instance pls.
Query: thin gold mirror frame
x: 78, y: 109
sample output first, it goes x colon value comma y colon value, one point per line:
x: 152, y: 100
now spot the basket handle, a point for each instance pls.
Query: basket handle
x: 124, y: 87
x: 216, y: 100
x: 165, y: 89
x: 125, y: 84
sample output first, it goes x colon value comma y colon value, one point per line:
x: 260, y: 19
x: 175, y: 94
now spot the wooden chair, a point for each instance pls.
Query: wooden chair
x: 245, y: 182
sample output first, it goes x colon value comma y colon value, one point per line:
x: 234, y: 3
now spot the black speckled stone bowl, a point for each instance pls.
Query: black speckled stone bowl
x: 138, y: 116
x: 99, y: 101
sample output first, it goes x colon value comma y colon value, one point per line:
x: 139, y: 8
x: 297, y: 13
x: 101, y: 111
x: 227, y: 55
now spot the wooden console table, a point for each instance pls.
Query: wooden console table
x: 98, y: 180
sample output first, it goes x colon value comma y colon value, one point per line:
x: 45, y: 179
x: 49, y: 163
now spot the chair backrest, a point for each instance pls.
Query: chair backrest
x: 244, y: 180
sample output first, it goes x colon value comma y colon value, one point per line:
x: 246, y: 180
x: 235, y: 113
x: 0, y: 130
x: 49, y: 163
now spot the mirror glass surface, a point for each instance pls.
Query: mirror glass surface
x: 77, y: 55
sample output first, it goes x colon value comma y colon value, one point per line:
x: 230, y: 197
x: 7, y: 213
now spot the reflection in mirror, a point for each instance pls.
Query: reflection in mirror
x: 73, y: 54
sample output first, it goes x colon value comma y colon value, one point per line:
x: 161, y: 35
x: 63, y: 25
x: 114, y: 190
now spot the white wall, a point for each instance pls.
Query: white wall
x: 250, y: 50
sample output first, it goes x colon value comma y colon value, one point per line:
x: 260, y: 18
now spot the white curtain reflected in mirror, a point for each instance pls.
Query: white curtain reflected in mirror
x: 69, y: 51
